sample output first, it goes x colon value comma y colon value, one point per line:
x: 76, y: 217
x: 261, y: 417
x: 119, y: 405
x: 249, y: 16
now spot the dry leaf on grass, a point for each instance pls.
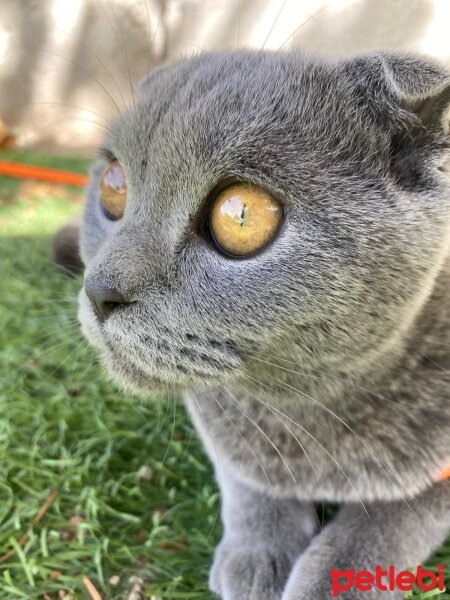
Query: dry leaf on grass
x: 41, y: 512
x: 91, y: 589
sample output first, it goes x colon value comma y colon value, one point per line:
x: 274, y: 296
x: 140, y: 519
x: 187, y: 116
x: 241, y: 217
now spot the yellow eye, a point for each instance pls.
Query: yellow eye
x: 244, y: 218
x: 113, y: 191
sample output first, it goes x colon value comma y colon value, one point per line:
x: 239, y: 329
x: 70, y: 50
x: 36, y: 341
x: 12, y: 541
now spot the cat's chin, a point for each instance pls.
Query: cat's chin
x: 148, y: 389
x: 134, y: 380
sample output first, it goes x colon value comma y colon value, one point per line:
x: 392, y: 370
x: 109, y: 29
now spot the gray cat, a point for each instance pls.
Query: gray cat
x: 270, y: 232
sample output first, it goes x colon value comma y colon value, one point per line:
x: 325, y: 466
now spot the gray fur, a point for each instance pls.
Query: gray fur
x: 319, y: 368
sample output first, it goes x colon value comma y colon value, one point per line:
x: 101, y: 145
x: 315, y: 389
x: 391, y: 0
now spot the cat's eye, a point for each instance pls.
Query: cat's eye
x: 113, y: 191
x: 244, y: 218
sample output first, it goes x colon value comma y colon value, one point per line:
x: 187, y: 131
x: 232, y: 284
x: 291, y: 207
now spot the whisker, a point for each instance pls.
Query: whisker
x: 255, y: 424
x: 160, y: 427
x: 269, y: 406
x: 218, y: 465
x: 49, y: 346
x: 194, y: 46
x: 82, y: 69
x: 188, y: 443
x: 324, y: 375
x: 47, y: 317
x: 83, y: 108
x: 149, y: 32
x: 173, y: 428
x: 324, y: 407
x: 85, y: 348
x: 64, y: 119
x: 81, y: 350
x: 273, y: 24
x: 239, y: 24
x: 152, y: 38
x: 120, y: 42
x: 443, y: 369
x: 64, y: 361
x: 313, y: 16
x: 244, y: 440
x: 284, y: 425
x: 59, y: 306
x: 98, y: 59
x: 257, y: 460
x: 56, y: 333
x: 51, y: 301
x: 382, y: 465
x: 320, y: 445
x: 438, y: 342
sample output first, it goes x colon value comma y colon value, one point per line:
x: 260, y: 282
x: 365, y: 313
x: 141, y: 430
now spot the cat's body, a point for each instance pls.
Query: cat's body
x: 319, y: 368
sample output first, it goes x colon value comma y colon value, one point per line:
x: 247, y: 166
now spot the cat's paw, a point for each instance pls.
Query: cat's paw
x: 316, y: 589
x: 244, y: 572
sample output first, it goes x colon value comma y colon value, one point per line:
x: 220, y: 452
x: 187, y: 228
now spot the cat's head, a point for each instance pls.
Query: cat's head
x: 257, y: 202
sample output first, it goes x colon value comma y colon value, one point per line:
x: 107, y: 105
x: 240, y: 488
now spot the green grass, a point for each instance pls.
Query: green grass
x: 136, y: 494
x: 135, y: 491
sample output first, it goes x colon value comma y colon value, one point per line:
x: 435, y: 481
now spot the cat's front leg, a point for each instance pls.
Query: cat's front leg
x: 397, y: 533
x: 263, y: 537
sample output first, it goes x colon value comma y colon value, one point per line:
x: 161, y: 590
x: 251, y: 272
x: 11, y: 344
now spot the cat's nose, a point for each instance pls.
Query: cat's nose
x: 104, y: 298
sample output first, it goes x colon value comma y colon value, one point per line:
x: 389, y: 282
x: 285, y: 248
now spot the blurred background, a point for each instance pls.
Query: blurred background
x: 64, y: 65
x: 103, y: 497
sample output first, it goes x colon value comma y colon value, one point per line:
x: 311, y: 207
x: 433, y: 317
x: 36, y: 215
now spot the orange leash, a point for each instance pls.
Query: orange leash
x: 22, y: 171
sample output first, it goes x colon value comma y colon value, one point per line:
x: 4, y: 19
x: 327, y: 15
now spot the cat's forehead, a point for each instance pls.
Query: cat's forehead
x: 226, y: 107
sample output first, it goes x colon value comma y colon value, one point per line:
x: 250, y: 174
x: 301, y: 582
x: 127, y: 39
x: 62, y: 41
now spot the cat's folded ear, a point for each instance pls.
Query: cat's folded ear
x: 405, y: 93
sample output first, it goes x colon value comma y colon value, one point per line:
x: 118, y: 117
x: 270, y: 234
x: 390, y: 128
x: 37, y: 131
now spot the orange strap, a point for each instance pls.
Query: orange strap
x: 445, y: 474
x: 12, y: 169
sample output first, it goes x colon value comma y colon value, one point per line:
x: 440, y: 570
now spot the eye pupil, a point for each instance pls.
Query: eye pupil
x: 244, y: 206
x: 113, y: 191
x: 244, y: 219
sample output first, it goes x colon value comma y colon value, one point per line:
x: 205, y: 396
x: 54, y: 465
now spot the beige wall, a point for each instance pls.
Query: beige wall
x: 66, y: 65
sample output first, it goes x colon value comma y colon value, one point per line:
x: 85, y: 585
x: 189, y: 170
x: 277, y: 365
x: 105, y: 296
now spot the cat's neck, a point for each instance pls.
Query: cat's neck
x: 430, y: 337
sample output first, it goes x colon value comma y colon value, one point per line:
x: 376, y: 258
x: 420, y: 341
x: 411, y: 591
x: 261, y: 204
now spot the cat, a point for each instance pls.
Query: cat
x: 269, y: 233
